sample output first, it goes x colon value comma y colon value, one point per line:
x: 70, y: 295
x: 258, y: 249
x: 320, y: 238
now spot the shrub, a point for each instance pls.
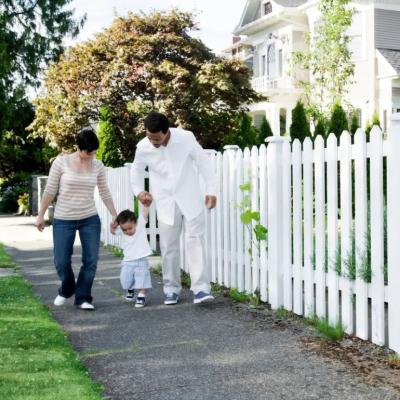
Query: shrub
x: 338, y: 122
x: 11, y: 189
x: 264, y: 131
x: 320, y: 129
x: 300, y: 127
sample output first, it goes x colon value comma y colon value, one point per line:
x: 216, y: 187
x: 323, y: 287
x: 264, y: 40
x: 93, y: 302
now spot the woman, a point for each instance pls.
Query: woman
x: 73, y: 178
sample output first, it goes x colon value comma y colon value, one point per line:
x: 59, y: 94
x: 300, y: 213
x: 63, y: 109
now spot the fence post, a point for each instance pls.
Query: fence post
x: 275, y: 219
x: 393, y: 222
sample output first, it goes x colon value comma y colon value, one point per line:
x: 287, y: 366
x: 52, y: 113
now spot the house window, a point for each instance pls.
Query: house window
x: 271, y: 61
x: 263, y: 65
x: 280, y: 62
x: 356, y: 45
x: 267, y: 8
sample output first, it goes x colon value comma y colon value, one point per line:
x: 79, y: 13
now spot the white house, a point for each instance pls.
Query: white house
x: 270, y: 30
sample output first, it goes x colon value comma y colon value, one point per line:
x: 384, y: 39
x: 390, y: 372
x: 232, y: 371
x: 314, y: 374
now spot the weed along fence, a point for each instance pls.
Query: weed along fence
x: 332, y: 213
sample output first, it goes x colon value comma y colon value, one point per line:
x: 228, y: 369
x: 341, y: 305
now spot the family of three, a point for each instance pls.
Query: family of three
x: 175, y: 160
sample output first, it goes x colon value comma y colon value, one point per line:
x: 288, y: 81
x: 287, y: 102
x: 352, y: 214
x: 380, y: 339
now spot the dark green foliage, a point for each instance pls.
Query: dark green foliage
x: 320, y: 129
x: 370, y: 125
x: 108, y: 151
x: 264, y: 131
x: 300, y: 127
x: 338, y: 122
x: 355, y: 124
x: 10, y: 189
x: 245, y: 136
x: 31, y: 34
x: 18, y: 150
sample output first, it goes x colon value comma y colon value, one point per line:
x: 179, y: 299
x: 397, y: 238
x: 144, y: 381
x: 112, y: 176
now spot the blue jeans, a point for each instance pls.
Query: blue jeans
x: 64, y: 232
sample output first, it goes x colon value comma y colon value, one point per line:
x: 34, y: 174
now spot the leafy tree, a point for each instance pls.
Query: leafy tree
x: 328, y: 57
x: 300, y: 127
x: 264, y: 131
x: 18, y: 150
x: 31, y: 33
x: 245, y: 136
x: 338, y: 122
x: 108, y: 151
x: 144, y: 62
x: 320, y: 128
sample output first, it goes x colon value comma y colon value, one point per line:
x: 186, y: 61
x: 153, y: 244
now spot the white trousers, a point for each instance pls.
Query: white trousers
x: 195, y: 253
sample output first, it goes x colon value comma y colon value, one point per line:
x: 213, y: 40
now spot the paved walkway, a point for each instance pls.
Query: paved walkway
x: 183, y: 352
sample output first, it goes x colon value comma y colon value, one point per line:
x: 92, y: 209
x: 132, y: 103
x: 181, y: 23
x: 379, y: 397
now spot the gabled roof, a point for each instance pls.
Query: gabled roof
x: 392, y: 57
x: 252, y: 10
x: 290, y: 3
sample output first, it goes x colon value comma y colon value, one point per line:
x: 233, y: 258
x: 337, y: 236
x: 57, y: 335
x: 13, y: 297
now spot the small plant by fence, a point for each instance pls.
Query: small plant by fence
x: 332, y: 248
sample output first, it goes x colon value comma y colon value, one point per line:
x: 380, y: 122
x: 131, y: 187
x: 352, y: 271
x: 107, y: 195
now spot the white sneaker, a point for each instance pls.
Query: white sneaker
x: 86, y: 306
x: 59, y: 300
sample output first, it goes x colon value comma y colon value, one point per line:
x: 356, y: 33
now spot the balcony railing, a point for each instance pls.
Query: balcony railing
x: 263, y: 83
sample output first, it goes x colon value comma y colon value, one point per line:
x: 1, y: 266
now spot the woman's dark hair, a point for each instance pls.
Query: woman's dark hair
x: 156, y: 122
x: 126, y: 216
x: 87, y: 140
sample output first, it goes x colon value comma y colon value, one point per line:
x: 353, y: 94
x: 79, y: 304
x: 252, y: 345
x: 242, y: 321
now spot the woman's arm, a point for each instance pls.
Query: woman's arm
x: 44, y: 205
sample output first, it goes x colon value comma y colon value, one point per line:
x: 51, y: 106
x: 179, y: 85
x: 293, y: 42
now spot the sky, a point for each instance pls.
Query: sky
x: 217, y: 18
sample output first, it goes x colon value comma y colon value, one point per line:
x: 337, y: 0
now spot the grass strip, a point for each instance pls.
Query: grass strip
x: 37, y: 361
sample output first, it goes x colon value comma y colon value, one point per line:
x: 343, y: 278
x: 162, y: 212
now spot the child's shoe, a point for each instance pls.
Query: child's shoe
x: 140, y: 302
x: 129, y: 295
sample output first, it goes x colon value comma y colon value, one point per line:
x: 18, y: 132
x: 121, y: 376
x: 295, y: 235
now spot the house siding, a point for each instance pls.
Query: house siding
x: 387, y: 29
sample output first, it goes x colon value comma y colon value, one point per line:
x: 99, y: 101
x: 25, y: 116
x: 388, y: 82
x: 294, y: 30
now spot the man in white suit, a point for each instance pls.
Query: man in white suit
x: 174, y: 159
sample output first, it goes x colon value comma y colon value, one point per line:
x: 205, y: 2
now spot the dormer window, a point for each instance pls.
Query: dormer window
x: 267, y: 8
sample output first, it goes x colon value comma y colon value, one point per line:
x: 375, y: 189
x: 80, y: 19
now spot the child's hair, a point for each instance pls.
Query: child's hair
x: 126, y: 216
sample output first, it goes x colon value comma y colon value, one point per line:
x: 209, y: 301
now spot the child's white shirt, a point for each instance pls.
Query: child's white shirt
x: 137, y: 245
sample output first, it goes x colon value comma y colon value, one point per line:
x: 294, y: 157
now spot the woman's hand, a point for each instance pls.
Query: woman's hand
x: 145, y: 198
x: 113, y: 225
x: 40, y: 223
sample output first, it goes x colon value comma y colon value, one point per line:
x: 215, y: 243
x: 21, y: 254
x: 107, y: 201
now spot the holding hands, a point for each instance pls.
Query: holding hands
x: 145, y: 198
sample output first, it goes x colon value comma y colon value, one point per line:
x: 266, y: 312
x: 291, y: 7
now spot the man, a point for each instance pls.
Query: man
x: 174, y: 158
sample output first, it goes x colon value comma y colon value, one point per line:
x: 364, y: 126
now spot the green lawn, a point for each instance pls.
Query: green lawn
x: 36, y: 360
x: 5, y: 260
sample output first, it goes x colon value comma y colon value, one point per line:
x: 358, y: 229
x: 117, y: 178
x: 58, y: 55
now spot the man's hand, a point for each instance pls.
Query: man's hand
x: 211, y: 201
x: 145, y: 198
x: 40, y: 223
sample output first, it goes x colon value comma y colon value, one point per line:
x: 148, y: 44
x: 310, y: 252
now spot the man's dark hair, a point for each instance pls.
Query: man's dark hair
x: 126, y: 216
x: 156, y: 122
x: 87, y: 140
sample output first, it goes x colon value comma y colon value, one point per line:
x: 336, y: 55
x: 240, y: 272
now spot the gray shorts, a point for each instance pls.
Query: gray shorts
x: 135, y: 274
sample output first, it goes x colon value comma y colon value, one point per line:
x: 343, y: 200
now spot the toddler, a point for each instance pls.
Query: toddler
x: 135, y: 271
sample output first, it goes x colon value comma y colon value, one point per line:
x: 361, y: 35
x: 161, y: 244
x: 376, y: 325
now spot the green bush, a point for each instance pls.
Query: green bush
x: 11, y: 189
x: 320, y: 129
x: 264, y: 131
x: 300, y: 127
x: 108, y: 151
x: 338, y: 122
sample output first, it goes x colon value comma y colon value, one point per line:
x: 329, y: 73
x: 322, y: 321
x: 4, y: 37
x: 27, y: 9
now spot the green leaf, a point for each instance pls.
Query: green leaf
x: 260, y: 232
x: 246, y: 187
x: 255, y: 215
x: 246, y: 201
x: 246, y: 217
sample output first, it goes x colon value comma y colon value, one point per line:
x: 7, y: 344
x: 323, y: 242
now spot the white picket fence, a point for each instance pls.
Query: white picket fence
x: 304, y: 193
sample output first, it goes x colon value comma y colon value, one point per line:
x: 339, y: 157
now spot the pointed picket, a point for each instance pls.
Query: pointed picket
x: 361, y: 289
x: 287, y: 226
x: 247, y: 239
x: 319, y: 258
x: 332, y: 205
x: 240, y: 229
x: 297, y: 229
x: 255, y: 206
x: 346, y: 224
x: 377, y: 249
x: 308, y: 228
x: 263, y: 221
x: 220, y: 222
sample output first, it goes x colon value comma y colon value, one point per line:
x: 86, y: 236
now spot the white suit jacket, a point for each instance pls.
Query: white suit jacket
x: 174, y: 174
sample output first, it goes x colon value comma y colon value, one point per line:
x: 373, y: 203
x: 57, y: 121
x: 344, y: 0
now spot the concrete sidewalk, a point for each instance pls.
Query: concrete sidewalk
x: 183, y: 352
